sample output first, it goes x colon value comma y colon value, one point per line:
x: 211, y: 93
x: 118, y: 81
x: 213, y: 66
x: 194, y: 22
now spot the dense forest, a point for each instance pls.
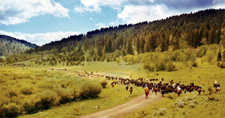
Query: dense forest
x: 203, y: 27
x: 10, y: 45
x: 187, y: 33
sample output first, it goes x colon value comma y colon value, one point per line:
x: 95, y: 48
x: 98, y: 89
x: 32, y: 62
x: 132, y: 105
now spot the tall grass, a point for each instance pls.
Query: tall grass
x: 30, y: 90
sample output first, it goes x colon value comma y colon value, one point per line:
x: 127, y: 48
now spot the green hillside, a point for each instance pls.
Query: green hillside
x: 10, y: 45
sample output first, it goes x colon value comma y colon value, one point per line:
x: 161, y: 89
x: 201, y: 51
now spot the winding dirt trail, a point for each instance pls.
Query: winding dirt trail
x: 125, y: 108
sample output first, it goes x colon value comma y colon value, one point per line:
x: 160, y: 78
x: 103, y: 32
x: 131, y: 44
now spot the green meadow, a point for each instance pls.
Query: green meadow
x: 23, y: 88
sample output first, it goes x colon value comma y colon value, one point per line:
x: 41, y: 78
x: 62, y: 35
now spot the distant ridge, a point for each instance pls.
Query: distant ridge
x: 11, y: 39
x: 10, y: 45
x: 179, y: 31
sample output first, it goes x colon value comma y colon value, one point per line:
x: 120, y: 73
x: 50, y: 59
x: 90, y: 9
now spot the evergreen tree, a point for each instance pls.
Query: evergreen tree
x: 138, y: 45
x: 129, y: 48
x: 147, y: 46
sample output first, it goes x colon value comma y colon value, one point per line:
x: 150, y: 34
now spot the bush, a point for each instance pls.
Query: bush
x: 170, y: 66
x: 210, y: 55
x: 118, y: 60
x: 29, y: 106
x: 201, y: 51
x: 108, y: 59
x: 161, y: 111
x: 45, y: 85
x: 160, y: 64
x: 103, y: 58
x: 26, y: 90
x: 194, y: 64
x: 179, y: 104
x: 192, y: 105
x: 90, y: 89
x: 149, y: 66
x: 12, y: 92
x: 4, y: 100
x: 182, y: 57
x: 11, y: 110
x: 65, y: 95
x: 46, y: 99
x: 102, y: 81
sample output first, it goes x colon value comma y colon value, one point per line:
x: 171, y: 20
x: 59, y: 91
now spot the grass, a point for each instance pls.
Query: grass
x: 186, y: 106
x: 109, y: 97
x: 205, y: 74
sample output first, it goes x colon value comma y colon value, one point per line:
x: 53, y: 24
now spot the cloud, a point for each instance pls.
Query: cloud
x: 101, y: 25
x: 134, y: 14
x: 133, y: 11
x: 91, y: 18
x: 114, y: 23
x: 81, y: 9
x: 39, y: 38
x: 20, y: 11
x: 95, y: 5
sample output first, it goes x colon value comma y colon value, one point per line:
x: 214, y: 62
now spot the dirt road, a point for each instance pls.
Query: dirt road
x: 126, y: 108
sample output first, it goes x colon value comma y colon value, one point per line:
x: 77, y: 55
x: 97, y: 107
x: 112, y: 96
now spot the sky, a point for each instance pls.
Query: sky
x: 43, y: 21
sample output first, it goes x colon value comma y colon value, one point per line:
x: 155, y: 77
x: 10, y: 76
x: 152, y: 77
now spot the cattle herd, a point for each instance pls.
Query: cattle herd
x: 154, y: 85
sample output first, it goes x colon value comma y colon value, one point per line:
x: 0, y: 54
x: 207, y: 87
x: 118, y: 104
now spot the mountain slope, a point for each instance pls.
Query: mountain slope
x: 185, y: 30
x: 10, y: 45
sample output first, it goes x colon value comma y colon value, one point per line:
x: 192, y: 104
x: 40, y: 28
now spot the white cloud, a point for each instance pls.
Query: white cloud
x: 95, y: 5
x: 135, y: 14
x: 101, y: 25
x: 81, y: 9
x: 114, y: 23
x: 91, y: 18
x: 19, y: 11
x: 39, y: 38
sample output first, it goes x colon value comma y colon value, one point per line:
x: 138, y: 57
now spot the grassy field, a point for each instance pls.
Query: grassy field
x: 193, y: 105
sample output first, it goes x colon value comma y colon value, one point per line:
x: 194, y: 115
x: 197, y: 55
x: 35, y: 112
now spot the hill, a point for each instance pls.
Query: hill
x: 193, y: 29
x: 10, y: 45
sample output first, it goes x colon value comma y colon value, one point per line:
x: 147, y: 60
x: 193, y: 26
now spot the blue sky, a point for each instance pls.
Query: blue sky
x: 43, y: 21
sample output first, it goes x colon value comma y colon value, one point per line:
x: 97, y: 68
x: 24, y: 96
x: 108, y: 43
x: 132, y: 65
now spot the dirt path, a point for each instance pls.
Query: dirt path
x: 126, y: 108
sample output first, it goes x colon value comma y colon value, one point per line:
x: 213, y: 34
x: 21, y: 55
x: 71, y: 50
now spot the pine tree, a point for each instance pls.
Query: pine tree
x: 147, y: 45
x: 212, y: 36
x: 137, y: 45
x: 99, y: 51
x: 129, y: 48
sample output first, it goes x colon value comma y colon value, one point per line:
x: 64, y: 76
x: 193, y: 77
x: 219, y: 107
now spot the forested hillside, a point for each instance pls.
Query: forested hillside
x: 10, y: 45
x: 195, y: 29
x: 187, y: 35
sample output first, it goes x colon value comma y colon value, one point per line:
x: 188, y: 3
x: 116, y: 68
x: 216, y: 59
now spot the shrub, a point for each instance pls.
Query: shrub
x: 118, y: 60
x: 194, y: 64
x: 210, y: 55
x: 90, y: 89
x: 45, y: 99
x: 192, y: 105
x: 65, y: 95
x: 149, y: 66
x: 45, y: 85
x: 102, y: 81
x: 201, y: 51
x: 160, y: 63
x: 11, y: 110
x: 29, y: 106
x: 182, y: 57
x: 179, y: 104
x: 26, y: 90
x: 3, y: 99
x: 170, y: 66
x: 161, y: 111
x: 192, y: 56
x: 12, y: 92
x: 108, y: 59
x: 103, y: 58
